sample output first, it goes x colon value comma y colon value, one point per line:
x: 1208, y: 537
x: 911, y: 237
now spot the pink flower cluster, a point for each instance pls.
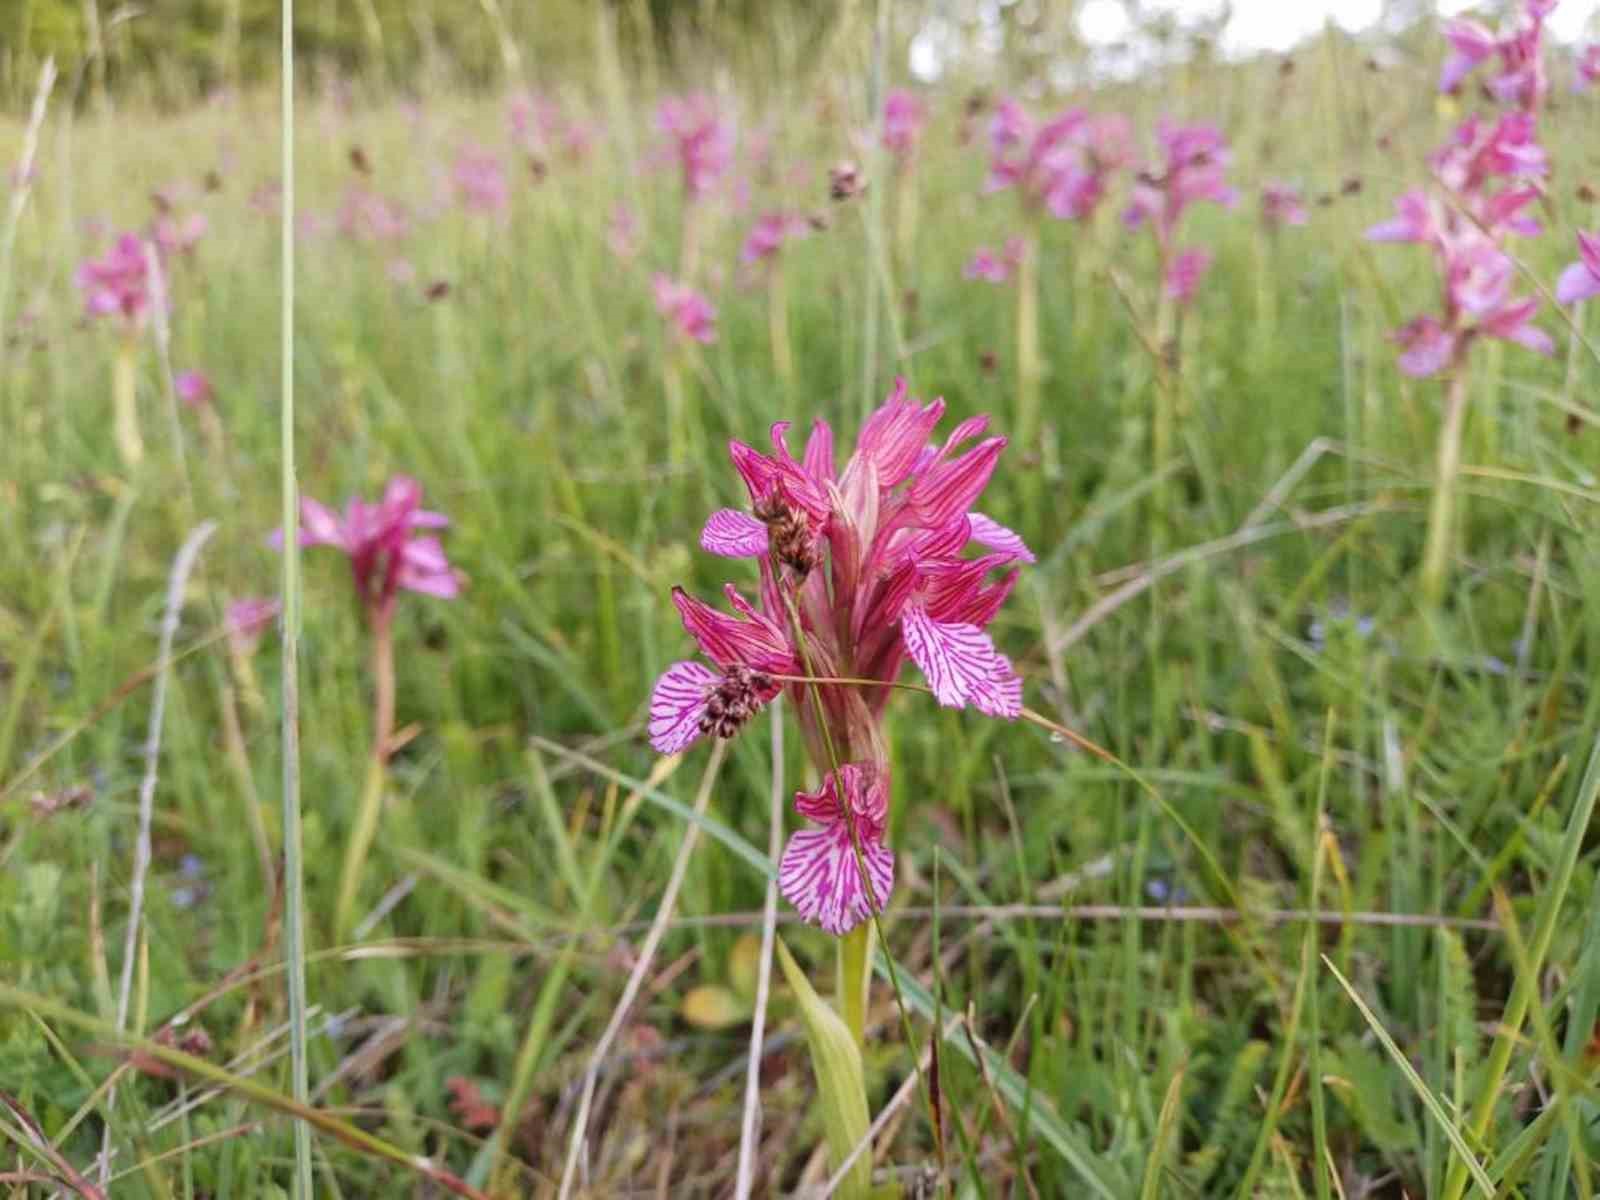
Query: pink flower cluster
x: 699, y: 137
x: 541, y: 127
x: 1064, y: 165
x: 1521, y: 79
x: 985, y: 264
x: 480, y: 181
x: 118, y: 285
x: 1281, y: 205
x: 859, y: 570
x: 1487, y: 177
x: 903, y: 117
x: 1587, y: 68
x: 386, y: 552
x: 687, y: 310
x: 770, y: 232
x: 1193, y: 170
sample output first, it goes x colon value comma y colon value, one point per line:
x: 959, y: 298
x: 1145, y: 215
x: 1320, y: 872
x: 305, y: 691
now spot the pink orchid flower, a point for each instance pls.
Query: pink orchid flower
x: 700, y: 138
x: 1587, y: 68
x: 366, y: 216
x: 480, y: 181
x: 903, y: 118
x: 173, y: 236
x: 118, y: 285
x: 1281, y: 205
x: 247, y: 619
x: 1063, y: 165
x: 770, y: 232
x: 193, y: 388
x: 985, y: 264
x: 386, y: 553
x: 1193, y: 170
x: 689, y: 312
x: 860, y: 570
x: 1581, y: 281
x: 1187, y: 269
x: 1521, y: 80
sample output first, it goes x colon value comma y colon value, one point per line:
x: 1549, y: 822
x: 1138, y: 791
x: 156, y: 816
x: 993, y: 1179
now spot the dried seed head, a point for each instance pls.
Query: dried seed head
x: 736, y: 699
x: 360, y: 161
x: 789, y: 535
x: 845, y: 181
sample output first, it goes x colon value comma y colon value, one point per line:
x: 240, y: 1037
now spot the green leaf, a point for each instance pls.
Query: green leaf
x: 841, y: 1085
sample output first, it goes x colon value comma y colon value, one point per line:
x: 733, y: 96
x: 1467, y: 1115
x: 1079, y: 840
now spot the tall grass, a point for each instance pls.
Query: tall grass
x: 1155, y: 1019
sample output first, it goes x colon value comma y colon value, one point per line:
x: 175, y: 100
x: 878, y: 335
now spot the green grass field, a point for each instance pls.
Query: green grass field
x: 1327, y: 923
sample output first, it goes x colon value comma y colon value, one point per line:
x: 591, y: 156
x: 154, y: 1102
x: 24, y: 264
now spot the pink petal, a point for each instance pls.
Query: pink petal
x: 734, y: 534
x: 319, y: 526
x: 728, y: 641
x: 955, y: 658
x: 950, y: 488
x: 677, y: 703
x: 1577, y: 283
x: 988, y: 532
x: 820, y: 876
x: 1001, y: 694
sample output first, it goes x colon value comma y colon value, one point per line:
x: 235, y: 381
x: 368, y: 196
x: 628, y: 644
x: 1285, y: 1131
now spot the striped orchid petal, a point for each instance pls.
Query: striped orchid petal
x: 678, y: 704
x: 734, y: 534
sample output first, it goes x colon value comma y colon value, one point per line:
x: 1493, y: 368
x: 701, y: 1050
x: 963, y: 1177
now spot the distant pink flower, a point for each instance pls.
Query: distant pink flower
x: 691, y: 313
x: 368, y: 217
x: 1470, y: 45
x: 867, y: 568
x: 771, y: 230
x: 903, y: 118
x: 1193, y: 170
x: 1587, y: 67
x: 246, y: 619
x: 622, y: 232
x: 118, y: 285
x: 1184, y: 273
x: 193, y: 388
x: 386, y: 552
x: 1521, y: 80
x: 541, y: 127
x: 700, y: 138
x: 480, y: 181
x: 1581, y: 281
x: 1063, y: 165
x: 1281, y: 205
x: 1426, y: 347
x: 985, y: 264
x: 173, y: 236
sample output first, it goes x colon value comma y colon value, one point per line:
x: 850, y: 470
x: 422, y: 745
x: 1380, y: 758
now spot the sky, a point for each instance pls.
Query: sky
x: 1255, y: 26
x: 1277, y: 25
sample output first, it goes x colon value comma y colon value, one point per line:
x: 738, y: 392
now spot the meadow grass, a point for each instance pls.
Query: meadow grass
x: 1333, y: 930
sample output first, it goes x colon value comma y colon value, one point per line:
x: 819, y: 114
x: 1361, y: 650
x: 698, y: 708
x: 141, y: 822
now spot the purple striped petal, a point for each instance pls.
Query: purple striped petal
x: 956, y: 658
x: 677, y: 703
x: 988, y: 532
x: 734, y: 534
x: 820, y: 876
x: 1001, y: 694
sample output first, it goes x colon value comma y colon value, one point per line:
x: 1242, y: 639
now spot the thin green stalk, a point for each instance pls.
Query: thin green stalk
x: 293, y: 867
x: 1441, y: 513
x: 125, y: 403
x: 1028, y: 367
x: 854, y: 951
x: 778, y: 325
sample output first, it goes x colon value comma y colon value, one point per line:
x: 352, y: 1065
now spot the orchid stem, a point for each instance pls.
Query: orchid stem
x: 371, y: 807
x: 778, y: 325
x: 125, y: 402
x: 1441, y: 513
x: 1028, y: 367
x: 855, y: 979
